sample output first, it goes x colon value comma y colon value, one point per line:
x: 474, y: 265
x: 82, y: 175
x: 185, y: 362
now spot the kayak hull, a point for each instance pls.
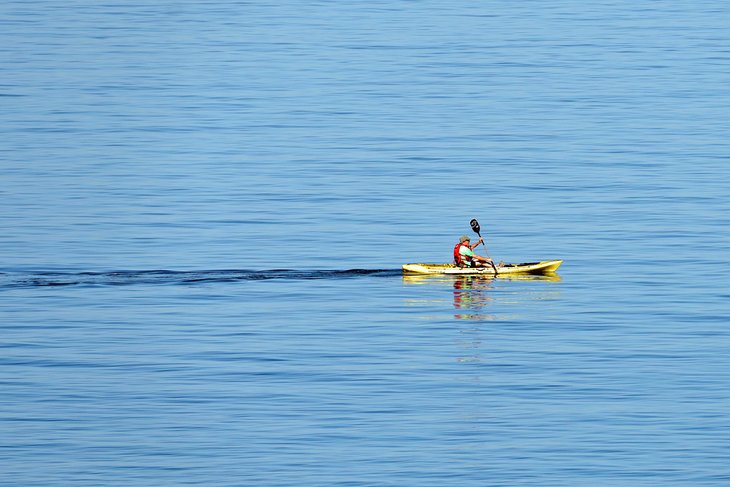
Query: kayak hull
x: 542, y: 267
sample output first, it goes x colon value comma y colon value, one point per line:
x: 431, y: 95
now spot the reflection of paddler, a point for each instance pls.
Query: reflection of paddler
x: 468, y: 292
x: 462, y: 298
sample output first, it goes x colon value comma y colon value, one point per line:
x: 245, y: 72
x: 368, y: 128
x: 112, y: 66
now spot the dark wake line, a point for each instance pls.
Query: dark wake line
x: 126, y: 278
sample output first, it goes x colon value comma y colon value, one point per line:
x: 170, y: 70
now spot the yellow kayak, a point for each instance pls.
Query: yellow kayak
x: 543, y: 267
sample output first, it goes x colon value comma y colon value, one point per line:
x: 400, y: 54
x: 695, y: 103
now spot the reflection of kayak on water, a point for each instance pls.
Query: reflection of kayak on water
x: 475, y: 279
x: 542, y: 267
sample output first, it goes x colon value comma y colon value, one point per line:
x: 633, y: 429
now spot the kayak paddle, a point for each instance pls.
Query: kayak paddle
x: 475, y: 226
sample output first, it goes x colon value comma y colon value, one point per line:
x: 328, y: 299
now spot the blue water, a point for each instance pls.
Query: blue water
x: 205, y: 206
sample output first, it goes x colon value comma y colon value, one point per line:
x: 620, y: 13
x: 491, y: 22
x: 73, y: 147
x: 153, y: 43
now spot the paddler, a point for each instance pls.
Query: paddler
x: 464, y: 255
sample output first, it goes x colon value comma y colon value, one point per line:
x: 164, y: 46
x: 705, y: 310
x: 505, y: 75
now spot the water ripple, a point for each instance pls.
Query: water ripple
x: 125, y: 278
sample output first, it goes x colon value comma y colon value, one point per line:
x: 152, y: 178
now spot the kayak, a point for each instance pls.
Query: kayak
x: 542, y: 267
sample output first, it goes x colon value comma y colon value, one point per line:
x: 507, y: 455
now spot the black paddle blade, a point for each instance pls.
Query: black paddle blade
x: 475, y: 226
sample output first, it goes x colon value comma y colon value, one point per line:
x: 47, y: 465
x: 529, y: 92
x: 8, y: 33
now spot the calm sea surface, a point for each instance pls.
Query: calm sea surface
x: 205, y: 206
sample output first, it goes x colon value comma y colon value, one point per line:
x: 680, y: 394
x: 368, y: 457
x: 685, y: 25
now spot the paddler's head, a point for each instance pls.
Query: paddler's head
x: 464, y: 238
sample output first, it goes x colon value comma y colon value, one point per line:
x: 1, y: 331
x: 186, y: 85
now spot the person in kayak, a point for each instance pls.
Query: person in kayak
x: 464, y: 255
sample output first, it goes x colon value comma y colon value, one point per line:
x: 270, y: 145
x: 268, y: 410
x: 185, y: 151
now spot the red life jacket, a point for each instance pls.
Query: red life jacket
x: 460, y: 260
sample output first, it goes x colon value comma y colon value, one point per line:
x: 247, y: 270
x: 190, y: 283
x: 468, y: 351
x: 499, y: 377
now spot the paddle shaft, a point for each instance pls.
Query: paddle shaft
x: 475, y: 226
